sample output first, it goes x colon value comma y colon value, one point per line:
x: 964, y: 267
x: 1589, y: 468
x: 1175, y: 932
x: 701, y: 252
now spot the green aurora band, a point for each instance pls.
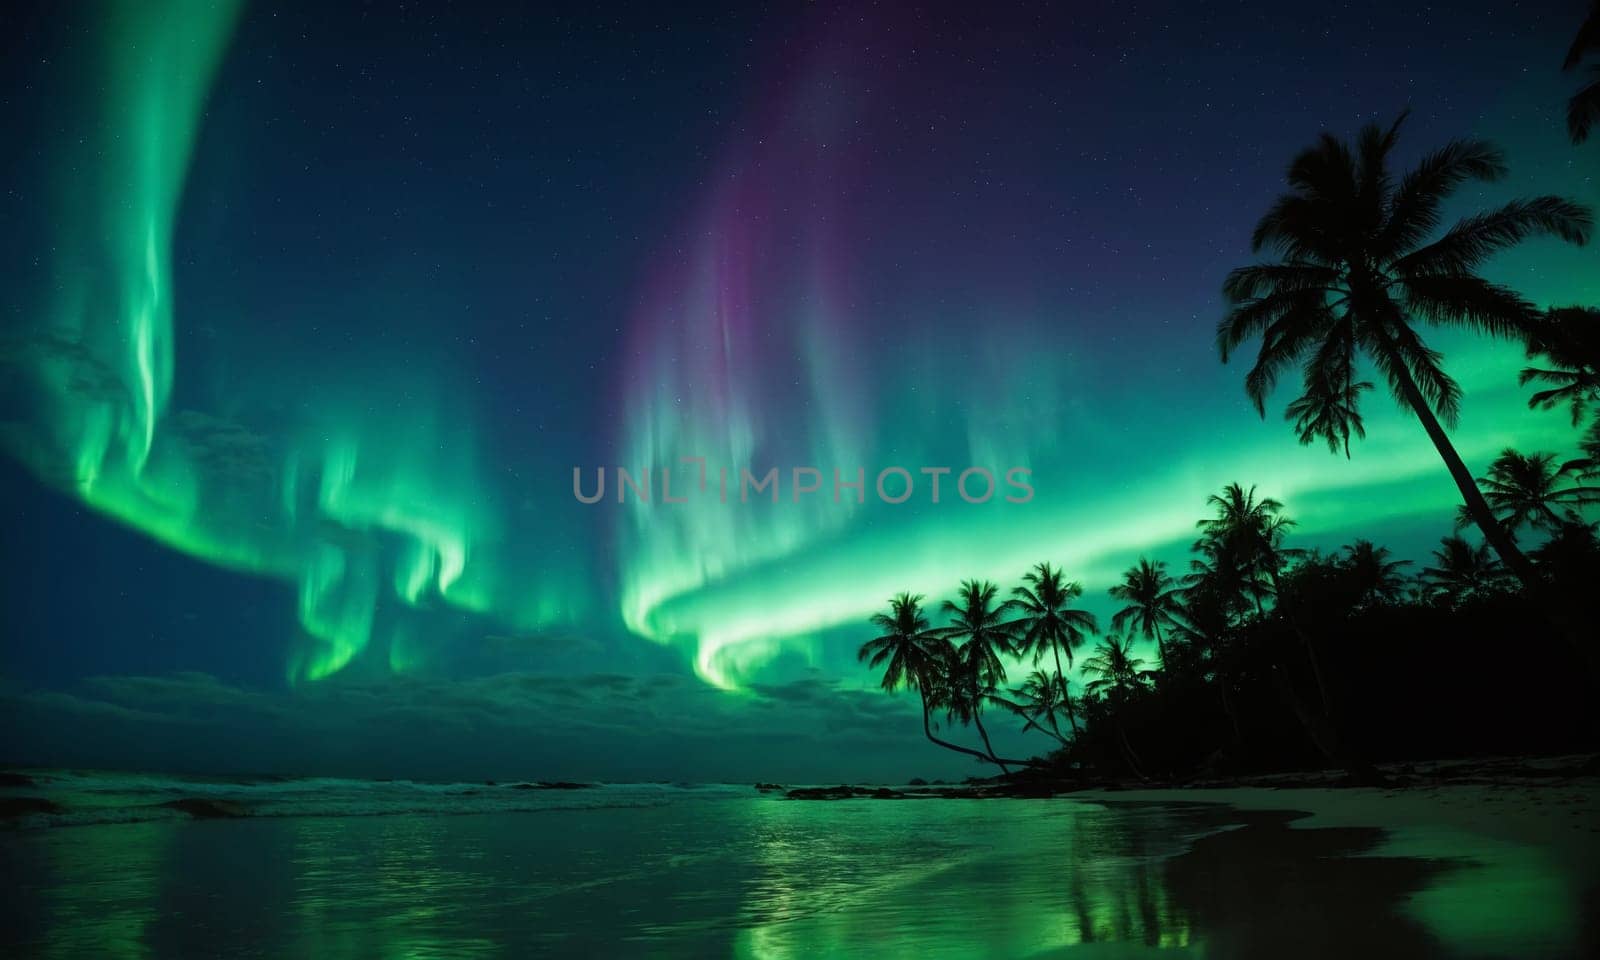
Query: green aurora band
x: 377, y: 493
x: 352, y: 498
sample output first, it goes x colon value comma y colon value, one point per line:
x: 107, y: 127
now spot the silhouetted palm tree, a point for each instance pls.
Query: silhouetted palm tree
x: 906, y: 644
x: 1329, y: 409
x: 1118, y: 675
x: 913, y: 655
x: 1356, y: 272
x: 985, y: 636
x: 1151, y: 598
x: 1204, y: 623
x: 1218, y: 572
x: 1048, y: 622
x: 1571, y: 544
x: 1587, y: 466
x: 1462, y: 572
x: 1254, y: 531
x: 1117, y: 672
x: 1528, y: 490
x: 1040, y: 697
x: 1567, y: 343
x: 1571, y: 557
x: 1376, y: 576
x: 1584, y: 107
x: 1251, y: 531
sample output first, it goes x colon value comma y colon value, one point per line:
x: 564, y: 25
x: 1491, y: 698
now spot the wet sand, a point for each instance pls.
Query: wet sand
x: 1508, y: 869
x: 1559, y: 816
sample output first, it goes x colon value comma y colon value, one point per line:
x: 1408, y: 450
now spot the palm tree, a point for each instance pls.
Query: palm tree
x: 1587, y: 467
x: 1040, y: 697
x: 906, y: 644
x: 1204, y: 624
x: 1462, y: 572
x: 916, y: 656
x: 985, y: 635
x: 1354, y: 273
x: 1251, y: 531
x: 1378, y: 578
x: 1218, y: 572
x: 1525, y: 490
x: 1568, y: 342
x: 1049, y: 623
x: 1574, y: 547
x: 1584, y: 107
x: 1118, y: 674
x: 1152, y: 600
x: 1330, y: 410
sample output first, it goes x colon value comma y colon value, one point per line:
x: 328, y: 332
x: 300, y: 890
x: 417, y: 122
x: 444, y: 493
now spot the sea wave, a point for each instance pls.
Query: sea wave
x: 78, y: 798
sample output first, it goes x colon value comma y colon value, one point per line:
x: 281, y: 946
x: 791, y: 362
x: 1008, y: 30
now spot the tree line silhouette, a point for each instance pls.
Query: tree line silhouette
x: 1267, y: 655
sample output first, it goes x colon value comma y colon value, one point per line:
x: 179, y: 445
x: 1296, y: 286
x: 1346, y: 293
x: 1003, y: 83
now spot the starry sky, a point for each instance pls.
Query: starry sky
x: 311, y: 315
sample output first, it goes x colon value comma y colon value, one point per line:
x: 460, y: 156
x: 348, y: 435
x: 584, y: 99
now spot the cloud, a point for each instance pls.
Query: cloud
x: 595, y: 726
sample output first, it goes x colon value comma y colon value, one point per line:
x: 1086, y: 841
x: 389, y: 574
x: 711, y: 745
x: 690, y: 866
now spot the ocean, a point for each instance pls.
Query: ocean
x: 330, y: 868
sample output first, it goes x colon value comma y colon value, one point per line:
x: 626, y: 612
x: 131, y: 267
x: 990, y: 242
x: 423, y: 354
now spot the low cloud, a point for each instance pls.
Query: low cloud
x: 508, y: 725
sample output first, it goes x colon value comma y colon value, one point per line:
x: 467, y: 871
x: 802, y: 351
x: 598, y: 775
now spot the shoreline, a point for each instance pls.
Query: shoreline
x: 1401, y: 776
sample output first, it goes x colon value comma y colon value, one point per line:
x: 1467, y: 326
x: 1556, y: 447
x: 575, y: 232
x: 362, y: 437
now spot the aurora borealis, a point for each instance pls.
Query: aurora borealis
x: 335, y: 304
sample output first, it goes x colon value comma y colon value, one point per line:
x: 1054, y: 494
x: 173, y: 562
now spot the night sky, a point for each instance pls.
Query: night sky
x: 310, y: 315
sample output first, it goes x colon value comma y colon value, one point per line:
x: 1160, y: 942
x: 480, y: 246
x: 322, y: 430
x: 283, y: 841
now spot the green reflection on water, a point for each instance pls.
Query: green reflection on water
x: 870, y: 877
x: 96, y: 892
x: 774, y: 879
x: 392, y: 892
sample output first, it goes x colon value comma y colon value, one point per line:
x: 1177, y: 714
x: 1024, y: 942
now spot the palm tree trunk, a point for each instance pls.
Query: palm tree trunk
x: 1054, y: 726
x: 1227, y: 708
x: 1316, y: 727
x: 977, y: 717
x: 1066, y: 695
x: 1478, y: 508
x: 927, y: 729
x: 1323, y: 729
x: 1308, y: 643
x: 1128, y: 755
x: 1161, y: 645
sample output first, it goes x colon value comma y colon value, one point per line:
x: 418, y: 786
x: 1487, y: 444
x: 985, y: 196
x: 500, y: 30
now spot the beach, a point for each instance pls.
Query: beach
x: 401, y: 869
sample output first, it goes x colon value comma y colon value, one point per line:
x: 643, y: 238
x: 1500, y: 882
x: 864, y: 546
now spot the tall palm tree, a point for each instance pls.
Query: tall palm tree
x: 1462, y: 572
x: 1152, y: 601
x: 913, y: 655
x: 1527, y: 490
x: 985, y: 636
x: 1584, y: 107
x: 1377, y: 577
x: 1354, y: 273
x: 1048, y: 622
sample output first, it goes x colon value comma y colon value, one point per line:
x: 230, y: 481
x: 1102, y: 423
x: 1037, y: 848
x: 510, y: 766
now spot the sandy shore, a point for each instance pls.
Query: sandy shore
x: 1565, y: 815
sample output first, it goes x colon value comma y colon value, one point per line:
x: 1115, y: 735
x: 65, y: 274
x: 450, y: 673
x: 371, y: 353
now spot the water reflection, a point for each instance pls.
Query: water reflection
x: 96, y: 897
x: 767, y: 878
